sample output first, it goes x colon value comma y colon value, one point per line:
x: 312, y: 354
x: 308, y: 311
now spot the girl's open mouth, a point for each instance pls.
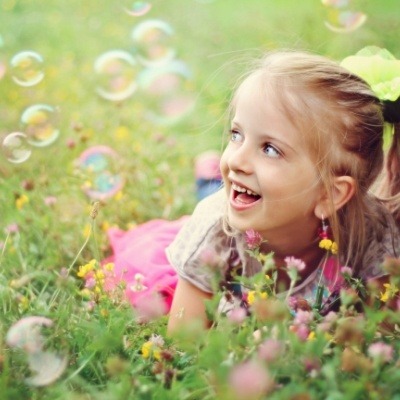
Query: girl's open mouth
x: 244, y: 196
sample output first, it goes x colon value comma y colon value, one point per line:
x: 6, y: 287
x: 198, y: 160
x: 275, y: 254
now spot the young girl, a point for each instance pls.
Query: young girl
x: 304, y: 162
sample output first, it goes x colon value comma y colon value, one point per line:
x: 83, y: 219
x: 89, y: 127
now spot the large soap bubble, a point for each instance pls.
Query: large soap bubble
x: 15, y: 147
x: 98, y: 166
x: 25, y: 335
x: 152, y: 41
x: 39, y: 122
x: 168, y: 92
x: 27, y: 68
x: 116, y: 72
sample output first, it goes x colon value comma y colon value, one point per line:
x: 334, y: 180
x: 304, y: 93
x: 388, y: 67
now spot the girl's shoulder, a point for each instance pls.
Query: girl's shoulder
x: 200, y: 241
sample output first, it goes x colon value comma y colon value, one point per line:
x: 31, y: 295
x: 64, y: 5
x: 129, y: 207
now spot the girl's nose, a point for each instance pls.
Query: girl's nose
x: 241, y: 159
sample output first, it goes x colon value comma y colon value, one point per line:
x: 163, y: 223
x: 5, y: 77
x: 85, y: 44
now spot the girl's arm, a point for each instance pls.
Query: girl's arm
x: 187, y: 306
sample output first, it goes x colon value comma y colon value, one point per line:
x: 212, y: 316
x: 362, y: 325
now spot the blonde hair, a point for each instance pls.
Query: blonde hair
x: 342, y: 120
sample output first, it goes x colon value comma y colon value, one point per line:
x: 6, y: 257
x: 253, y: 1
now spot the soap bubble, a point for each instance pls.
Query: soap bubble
x: 39, y: 123
x: 2, y: 69
x: 27, y: 68
x: 99, y: 169
x: 25, y: 335
x: 168, y: 93
x: 346, y: 21
x: 138, y: 8
x: 15, y: 147
x: 152, y: 39
x: 341, y: 18
x: 336, y: 3
x: 116, y: 72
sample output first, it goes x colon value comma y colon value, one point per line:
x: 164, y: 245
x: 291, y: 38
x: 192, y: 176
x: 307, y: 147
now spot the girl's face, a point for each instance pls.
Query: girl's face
x: 270, y: 178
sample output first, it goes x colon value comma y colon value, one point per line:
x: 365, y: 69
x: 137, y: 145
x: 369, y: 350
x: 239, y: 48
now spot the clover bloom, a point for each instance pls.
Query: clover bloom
x: 381, y: 351
x: 253, y: 239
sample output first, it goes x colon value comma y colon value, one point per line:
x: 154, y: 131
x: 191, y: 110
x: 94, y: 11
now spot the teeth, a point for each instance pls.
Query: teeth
x: 243, y: 190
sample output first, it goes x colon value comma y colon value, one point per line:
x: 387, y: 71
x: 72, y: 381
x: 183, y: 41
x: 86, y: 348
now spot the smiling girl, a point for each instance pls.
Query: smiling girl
x: 304, y: 156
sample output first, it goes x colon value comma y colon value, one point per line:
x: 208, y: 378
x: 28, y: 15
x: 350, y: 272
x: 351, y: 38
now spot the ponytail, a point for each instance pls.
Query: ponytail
x: 389, y: 189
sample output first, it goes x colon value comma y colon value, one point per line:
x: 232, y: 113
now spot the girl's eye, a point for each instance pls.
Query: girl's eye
x: 271, y: 151
x: 236, y: 136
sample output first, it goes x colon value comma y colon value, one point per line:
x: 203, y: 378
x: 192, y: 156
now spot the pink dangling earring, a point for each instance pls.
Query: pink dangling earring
x: 324, y: 234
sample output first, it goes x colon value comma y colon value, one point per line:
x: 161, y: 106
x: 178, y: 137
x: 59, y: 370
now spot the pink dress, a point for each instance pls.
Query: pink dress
x: 140, y: 261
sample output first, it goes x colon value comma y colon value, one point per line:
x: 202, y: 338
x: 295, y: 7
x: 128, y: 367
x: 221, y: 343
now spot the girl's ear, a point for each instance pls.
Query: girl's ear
x: 342, y: 191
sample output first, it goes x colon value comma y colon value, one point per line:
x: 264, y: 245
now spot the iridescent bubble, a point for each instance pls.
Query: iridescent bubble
x: 39, y: 123
x: 99, y: 168
x: 2, y: 69
x: 168, y: 93
x: 15, y: 147
x: 138, y: 8
x: 345, y: 21
x: 25, y: 335
x: 27, y: 68
x: 336, y: 3
x: 152, y: 40
x: 116, y: 72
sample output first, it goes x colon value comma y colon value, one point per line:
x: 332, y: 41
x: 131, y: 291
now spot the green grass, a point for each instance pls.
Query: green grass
x: 216, y: 40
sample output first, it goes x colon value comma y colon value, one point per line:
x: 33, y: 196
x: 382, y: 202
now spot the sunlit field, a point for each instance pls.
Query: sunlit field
x: 104, y: 106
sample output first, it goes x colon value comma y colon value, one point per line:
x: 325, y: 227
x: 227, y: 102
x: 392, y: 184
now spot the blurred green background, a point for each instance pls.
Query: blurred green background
x: 215, y: 39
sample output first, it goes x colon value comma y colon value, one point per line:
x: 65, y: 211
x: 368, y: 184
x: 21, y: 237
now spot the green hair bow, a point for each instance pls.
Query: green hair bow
x: 379, y: 68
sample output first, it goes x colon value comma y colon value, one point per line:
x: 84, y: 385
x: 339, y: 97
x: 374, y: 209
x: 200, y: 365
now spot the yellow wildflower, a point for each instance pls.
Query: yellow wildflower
x: 21, y: 201
x: 311, y: 336
x: 390, y: 291
x: 253, y: 295
x: 118, y: 195
x: 122, y: 133
x: 85, y: 269
x: 105, y: 226
x: 104, y: 312
x: 109, y: 267
x: 99, y: 275
x: 150, y: 349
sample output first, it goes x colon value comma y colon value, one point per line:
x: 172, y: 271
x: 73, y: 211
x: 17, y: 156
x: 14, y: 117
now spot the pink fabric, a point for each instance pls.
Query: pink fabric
x: 141, y: 250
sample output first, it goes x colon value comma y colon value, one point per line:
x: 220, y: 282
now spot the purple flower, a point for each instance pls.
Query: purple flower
x: 250, y: 380
x: 253, y: 239
x: 381, y: 351
x: 270, y: 350
x: 295, y: 263
x: 346, y: 271
x: 303, y: 317
x: 12, y: 228
x: 237, y: 315
x: 50, y: 201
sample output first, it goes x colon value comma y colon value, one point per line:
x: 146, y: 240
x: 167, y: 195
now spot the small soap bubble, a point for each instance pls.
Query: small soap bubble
x: 138, y: 8
x: 39, y: 123
x: 3, y: 69
x: 98, y: 167
x: 168, y: 92
x: 27, y: 68
x: 15, y: 148
x: 345, y: 21
x: 152, y: 41
x: 116, y: 72
x: 336, y: 3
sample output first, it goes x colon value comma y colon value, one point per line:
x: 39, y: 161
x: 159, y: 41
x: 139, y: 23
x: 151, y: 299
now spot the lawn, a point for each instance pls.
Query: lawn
x: 88, y: 152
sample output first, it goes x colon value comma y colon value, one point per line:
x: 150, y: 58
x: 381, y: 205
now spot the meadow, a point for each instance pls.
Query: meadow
x: 91, y: 148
